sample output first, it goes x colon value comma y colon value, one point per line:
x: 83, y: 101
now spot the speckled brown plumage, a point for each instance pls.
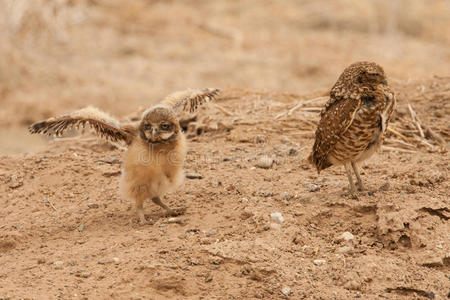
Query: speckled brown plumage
x: 354, y: 120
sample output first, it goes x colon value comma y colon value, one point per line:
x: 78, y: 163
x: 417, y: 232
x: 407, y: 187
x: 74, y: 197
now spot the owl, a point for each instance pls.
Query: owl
x: 353, y: 123
x: 156, y: 146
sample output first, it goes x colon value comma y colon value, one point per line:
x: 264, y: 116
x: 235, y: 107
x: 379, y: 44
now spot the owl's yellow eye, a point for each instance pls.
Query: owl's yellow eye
x: 165, y: 127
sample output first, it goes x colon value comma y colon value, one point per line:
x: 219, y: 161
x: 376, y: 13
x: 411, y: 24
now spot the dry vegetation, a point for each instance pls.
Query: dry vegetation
x: 64, y: 231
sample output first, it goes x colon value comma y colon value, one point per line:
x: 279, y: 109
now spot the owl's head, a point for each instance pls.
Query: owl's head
x: 368, y: 73
x: 159, y: 125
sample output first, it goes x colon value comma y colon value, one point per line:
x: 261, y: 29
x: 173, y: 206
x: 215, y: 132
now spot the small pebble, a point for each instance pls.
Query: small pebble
x: 286, y: 140
x: 347, y: 236
x: 277, y: 217
x: 194, y: 176
x: 312, y: 187
x: 345, y: 249
x: 116, y: 260
x: 385, y: 187
x: 286, y: 291
x: 319, y: 262
x: 93, y: 205
x: 86, y: 275
x: 209, y: 279
x: 260, y: 139
x: 41, y: 261
x: 58, y: 264
x: 286, y: 196
x: 174, y: 221
x: 81, y: 228
x: 264, y: 162
x: 211, y: 233
x: 275, y: 226
x: 266, y: 193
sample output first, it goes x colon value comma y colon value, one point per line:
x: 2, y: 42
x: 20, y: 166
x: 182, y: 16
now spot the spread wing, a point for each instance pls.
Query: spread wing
x: 103, y: 124
x: 189, y: 100
x: 336, y: 118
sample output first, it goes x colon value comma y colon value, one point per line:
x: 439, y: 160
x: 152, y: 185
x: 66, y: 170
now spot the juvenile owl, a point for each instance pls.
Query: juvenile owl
x: 354, y: 120
x: 153, y: 162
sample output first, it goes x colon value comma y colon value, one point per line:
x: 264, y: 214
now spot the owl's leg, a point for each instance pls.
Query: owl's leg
x: 350, y: 180
x: 358, y: 176
x: 140, y: 211
x: 170, y: 211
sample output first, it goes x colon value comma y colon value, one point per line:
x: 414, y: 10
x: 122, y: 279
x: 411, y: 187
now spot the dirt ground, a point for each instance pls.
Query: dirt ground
x: 65, y: 233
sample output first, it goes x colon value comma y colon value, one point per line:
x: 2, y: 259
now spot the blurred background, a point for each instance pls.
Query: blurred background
x: 60, y: 55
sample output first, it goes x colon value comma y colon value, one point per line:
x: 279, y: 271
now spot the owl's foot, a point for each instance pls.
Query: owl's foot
x: 143, y: 220
x: 173, y: 212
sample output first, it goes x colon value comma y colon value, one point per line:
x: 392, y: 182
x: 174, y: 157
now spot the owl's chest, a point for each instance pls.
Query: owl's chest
x: 365, y: 134
x: 142, y: 164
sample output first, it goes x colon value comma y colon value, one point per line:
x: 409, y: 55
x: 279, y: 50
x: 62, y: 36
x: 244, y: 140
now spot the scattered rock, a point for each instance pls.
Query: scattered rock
x: 58, y: 264
x: 85, y: 275
x: 347, y: 236
x: 93, y: 205
x: 174, y: 220
x: 260, y: 139
x: 319, y: 262
x: 116, y: 260
x: 41, y: 260
x: 292, y: 152
x: 286, y: 196
x: 209, y: 279
x: 194, y: 230
x: 194, y: 176
x: 385, y: 187
x: 286, y: 291
x: 109, y: 160
x: 266, y: 193
x: 101, y: 262
x: 81, y: 228
x: 345, y: 250
x: 275, y: 226
x: 112, y: 174
x: 432, y: 262
x: 211, y: 233
x: 277, y: 217
x: 312, y: 187
x: 352, y: 285
x: 286, y: 140
x: 264, y: 162
x: 265, y: 228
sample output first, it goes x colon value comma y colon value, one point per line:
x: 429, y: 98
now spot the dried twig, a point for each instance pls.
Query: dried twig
x: 416, y: 120
x: 387, y: 148
x: 433, y: 135
x: 49, y: 202
x: 393, y: 131
x: 300, y: 104
x: 225, y: 111
x: 400, y: 142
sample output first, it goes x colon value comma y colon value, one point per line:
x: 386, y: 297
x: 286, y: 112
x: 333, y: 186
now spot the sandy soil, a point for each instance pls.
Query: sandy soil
x: 66, y: 234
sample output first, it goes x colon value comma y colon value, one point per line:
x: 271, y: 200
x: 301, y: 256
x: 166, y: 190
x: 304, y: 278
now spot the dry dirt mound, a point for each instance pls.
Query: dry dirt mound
x: 65, y: 233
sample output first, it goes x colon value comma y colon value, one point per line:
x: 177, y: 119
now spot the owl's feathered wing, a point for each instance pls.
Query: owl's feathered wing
x: 336, y: 118
x: 103, y: 124
x: 189, y: 100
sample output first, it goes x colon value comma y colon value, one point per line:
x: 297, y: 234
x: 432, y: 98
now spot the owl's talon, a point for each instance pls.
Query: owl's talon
x: 176, y: 211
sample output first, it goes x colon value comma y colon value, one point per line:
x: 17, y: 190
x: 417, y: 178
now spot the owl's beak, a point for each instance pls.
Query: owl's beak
x: 154, y: 132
